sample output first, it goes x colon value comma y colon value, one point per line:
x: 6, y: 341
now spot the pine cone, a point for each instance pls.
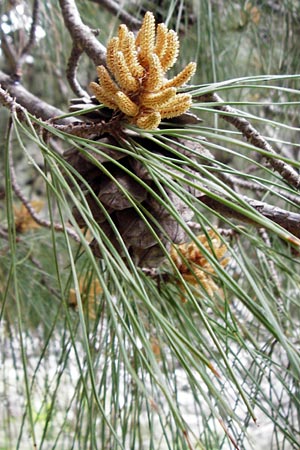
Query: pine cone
x: 139, y: 240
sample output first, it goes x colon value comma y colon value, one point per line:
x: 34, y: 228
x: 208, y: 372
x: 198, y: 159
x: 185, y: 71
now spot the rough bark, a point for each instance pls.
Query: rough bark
x: 30, y: 102
x: 81, y: 34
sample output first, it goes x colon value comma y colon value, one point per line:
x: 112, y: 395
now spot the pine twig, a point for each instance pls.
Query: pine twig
x: 71, y: 71
x: 31, y: 41
x: 226, y: 232
x: 70, y: 125
x: 87, y: 130
x: 32, y: 33
x: 9, y: 51
x: 81, y: 34
x: 236, y: 182
x: 44, y: 223
x: 16, y: 97
x: 115, y: 8
x: 290, y: 175
x: 8, y: 102
x: 15, y: 57
x: 288, y: 220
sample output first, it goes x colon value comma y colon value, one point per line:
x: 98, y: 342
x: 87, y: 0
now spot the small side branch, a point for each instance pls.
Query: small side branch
x: 254, y: 137
x: 31, y: 40
x: 237, y: 183
x: 72, y: 126
x: 290, y: 221
x: 87, y: 130
x: 83, y: 37
x: 226, y: 232
x: 16, y: 97
x: 115, y: 8
x: 72, y: 70
x: 10, y: 52
x: 32, y: 33
x: 42, y: 222
x: 16, y: 58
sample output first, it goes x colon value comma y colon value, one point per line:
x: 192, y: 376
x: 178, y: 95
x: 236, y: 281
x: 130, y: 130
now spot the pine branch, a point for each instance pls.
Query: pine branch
x: 288, y: 220
x: 115, y: 8
x: 17, y: 57
x: 32, y: 33
x: 42, y: 222
x: 82, y: 35
x: 71, y: 71
x: 255, y: 138
x: 16, y: 96
x: 9, y: 52
x: 236, y: 183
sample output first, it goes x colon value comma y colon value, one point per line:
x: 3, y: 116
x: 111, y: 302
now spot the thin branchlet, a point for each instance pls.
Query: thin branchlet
x: 30, y: 208
x: 290, y: 175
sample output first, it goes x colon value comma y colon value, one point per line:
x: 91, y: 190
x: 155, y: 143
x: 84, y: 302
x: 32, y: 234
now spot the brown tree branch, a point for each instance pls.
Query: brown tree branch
x: 288, y: 220
x: 82, y: 35
x: 15, y: 95
x: 16, y: 58
x: 236, y: 183
x: 226, y: 232
x: 30, y: 43
x: 123, y: 16
x: 32, y: 33
x: 254, y: 137
x: 72, y: 70
x: 42, y: 222
x: 9, y: 51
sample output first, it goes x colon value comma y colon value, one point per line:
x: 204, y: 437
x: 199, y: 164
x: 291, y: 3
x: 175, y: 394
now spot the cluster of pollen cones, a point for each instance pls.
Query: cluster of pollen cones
x: 133, y: 80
